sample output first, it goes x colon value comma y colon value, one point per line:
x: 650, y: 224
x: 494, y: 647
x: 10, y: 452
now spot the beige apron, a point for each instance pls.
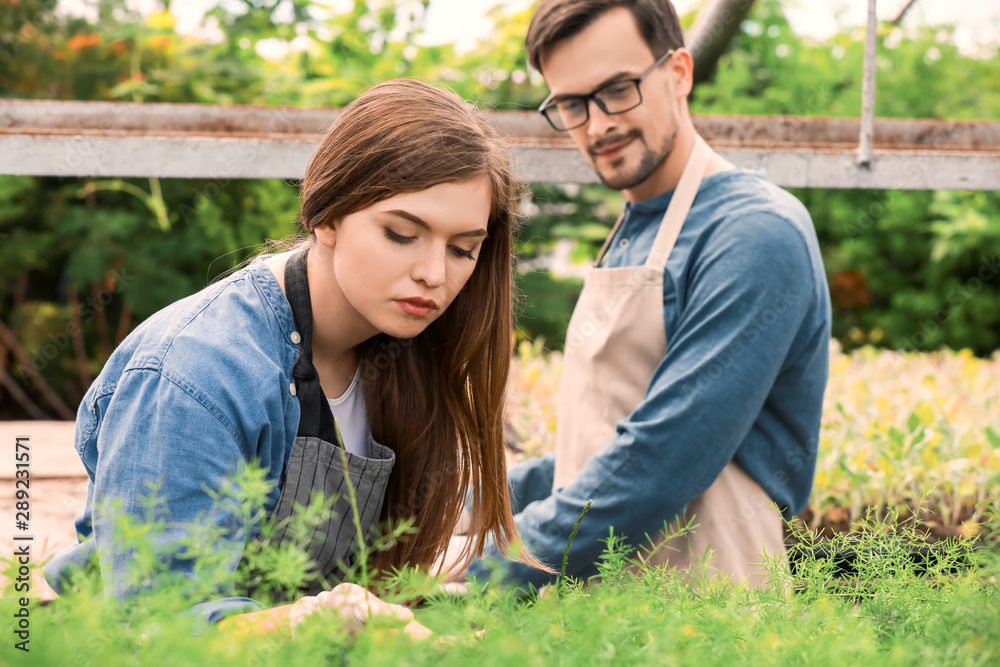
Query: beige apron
x: 614, y: 343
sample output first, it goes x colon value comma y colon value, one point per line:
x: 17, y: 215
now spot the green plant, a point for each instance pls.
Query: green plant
x: 894, y: 611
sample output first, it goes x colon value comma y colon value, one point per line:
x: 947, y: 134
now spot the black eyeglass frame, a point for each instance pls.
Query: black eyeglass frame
x: 547, y: 105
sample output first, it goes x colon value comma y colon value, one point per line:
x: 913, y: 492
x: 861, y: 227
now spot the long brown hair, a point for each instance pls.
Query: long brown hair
x: 436, y: 399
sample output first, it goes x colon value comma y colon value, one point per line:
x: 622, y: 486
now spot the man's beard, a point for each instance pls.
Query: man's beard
x: 648, y: 164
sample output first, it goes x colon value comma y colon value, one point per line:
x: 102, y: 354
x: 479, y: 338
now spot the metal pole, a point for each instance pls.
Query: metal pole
x: 868, y: 91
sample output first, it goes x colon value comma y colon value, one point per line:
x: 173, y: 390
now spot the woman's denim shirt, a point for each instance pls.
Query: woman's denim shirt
x: 198, y: 388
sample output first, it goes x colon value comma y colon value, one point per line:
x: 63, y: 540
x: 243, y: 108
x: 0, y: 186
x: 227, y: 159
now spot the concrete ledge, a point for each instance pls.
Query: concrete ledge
x: 51, y: 449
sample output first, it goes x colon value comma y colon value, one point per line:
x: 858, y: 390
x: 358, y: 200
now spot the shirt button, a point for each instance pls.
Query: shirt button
x: 296, y: 338
x: 623, y: 243
x: 291, y: 389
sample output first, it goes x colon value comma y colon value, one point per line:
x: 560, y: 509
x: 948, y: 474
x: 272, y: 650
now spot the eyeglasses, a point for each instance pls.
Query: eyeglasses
x: 616, y: 97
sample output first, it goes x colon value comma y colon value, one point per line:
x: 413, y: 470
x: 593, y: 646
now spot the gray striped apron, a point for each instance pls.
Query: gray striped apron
x: 315, y: 463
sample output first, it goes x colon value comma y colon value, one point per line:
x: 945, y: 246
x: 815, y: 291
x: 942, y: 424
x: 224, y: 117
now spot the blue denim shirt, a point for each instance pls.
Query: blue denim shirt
x: 195, y: 390
x: 746, y: 310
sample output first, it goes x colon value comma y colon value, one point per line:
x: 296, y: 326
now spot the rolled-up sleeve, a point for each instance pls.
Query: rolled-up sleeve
x: 748, y: 292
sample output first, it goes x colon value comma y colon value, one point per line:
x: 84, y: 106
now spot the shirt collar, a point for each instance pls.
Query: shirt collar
x: 660, y: 202
x: 657, y: 203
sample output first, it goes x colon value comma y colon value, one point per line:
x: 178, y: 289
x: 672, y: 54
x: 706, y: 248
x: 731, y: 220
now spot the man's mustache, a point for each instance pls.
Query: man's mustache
x: 599, y: 145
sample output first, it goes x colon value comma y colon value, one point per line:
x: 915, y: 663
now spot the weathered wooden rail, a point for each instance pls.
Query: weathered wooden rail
x: 109, y: 139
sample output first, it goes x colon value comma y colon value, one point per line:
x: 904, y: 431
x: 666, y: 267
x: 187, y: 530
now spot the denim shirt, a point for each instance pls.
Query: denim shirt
x: 746, y: 311
x: 192, y: 392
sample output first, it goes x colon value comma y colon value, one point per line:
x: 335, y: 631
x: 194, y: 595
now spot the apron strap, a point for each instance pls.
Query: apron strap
x: 607, y: 241
x: 680, y: 204
x: 316, y: 419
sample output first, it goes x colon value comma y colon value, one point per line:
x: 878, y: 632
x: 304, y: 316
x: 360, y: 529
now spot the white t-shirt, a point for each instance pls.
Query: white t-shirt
x: 352, y: 417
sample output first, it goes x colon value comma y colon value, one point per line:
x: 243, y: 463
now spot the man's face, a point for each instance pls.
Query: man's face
x: 625, y: 149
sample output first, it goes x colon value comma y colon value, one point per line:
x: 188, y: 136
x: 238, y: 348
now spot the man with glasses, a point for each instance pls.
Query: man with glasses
x: 571, y: 112
x: 697, y: 357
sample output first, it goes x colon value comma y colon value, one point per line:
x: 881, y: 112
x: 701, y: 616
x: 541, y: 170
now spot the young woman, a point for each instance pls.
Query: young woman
x: 391, y: 323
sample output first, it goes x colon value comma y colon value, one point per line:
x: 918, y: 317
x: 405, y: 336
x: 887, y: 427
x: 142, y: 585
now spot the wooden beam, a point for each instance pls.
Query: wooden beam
x: 106, y: 139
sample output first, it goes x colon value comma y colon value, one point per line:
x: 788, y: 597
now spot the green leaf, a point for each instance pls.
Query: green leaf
x: 992, y: 436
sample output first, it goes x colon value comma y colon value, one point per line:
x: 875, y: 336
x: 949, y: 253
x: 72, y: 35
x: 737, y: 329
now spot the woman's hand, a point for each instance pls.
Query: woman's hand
x: 357, y: 605
x: 350, y: 601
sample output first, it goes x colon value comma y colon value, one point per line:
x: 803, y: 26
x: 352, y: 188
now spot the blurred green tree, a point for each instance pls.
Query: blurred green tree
x: 907, y: 269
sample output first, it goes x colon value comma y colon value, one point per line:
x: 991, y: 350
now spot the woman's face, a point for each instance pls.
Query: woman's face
x: 402, y: 261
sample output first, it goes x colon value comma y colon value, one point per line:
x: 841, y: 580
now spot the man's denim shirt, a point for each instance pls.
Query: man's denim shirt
x: 746, y: 310
x: 195, y: 390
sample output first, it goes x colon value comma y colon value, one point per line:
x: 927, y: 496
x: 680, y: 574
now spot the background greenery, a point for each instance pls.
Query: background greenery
x: 902, y: 265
